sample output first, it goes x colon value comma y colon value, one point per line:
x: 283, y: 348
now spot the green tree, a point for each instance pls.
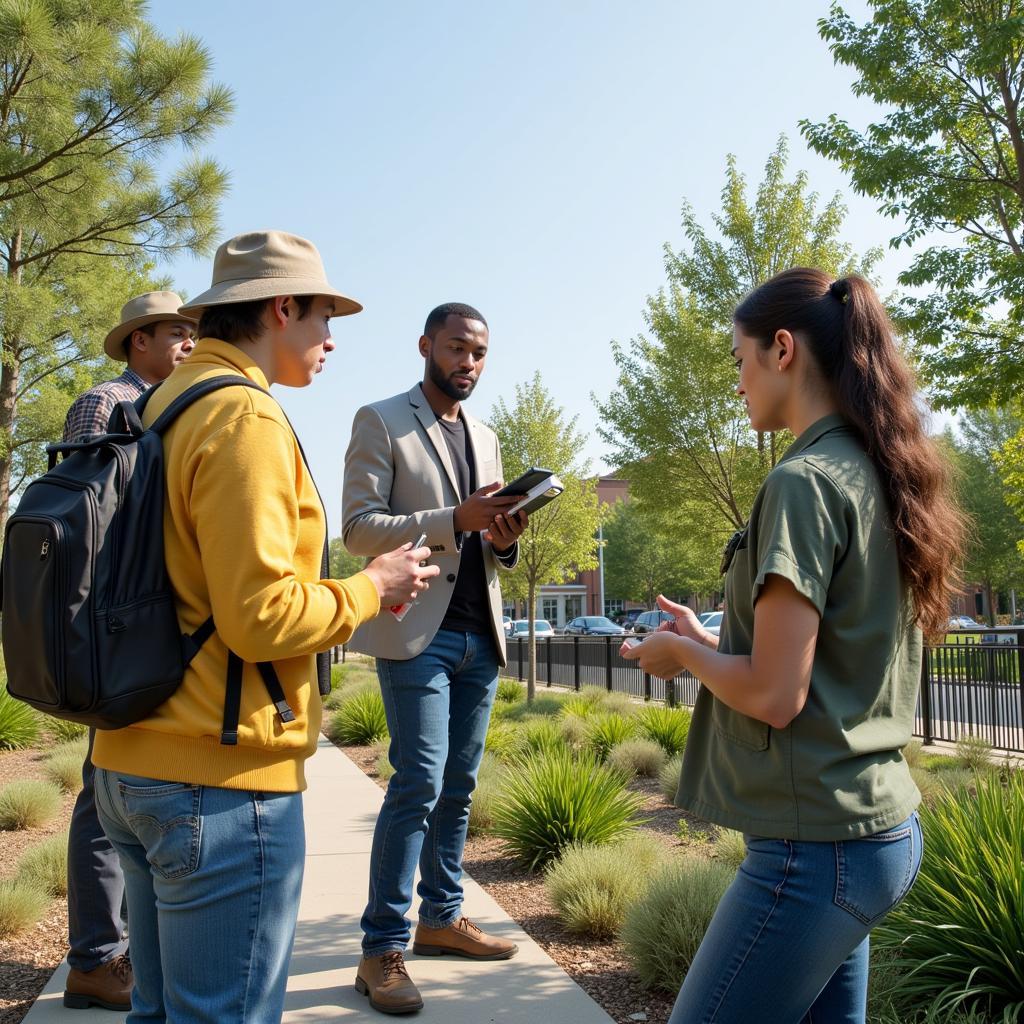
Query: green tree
x: 93, y: 102
x: 947, y: 156
x: 342, y: 563
x: 560, y: 540
x: 645, y: 556
x: 674, y: 421
x: 992, y: 556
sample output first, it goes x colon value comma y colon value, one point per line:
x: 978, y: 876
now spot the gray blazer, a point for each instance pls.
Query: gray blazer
x: 399, y: 483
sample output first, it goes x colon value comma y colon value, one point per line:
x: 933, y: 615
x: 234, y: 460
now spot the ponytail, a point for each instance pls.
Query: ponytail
x: 851, y: 340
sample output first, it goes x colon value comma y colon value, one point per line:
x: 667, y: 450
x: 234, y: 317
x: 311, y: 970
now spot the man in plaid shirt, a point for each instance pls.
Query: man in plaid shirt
x: 152, y: 338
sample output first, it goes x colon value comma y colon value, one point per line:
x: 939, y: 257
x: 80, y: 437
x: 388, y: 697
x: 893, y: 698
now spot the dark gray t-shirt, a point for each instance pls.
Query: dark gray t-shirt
x: 469, y: 609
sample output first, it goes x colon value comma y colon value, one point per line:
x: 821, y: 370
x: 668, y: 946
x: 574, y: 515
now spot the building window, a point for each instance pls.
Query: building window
x: 573, y: 607
x: 612, y: 605
x: 549, y: 609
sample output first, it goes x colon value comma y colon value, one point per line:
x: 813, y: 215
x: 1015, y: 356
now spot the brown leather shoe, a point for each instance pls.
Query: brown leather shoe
x: 463, y: 938
x: 387, y: 983
x: 109, y: 986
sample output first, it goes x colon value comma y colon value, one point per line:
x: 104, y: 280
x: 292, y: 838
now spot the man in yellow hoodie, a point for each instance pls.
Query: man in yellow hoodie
x: 210, y: 833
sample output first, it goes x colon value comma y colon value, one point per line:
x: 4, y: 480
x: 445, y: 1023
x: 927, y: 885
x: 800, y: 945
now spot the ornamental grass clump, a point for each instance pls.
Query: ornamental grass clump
x: 668, y: 727
x: 551, y: 800
x: 21, y: 904
x: 729, y: 848
x: 638, y: 757
x: 382, y: 764
x: 359, y: 719
x: 20, y: 725
x: 607, y: 731
x: 592, y: 887
x: 28, y: 803
x: 502, y: 739
x: 63, y: 731
x: 46, y: 865
x: 974, y: 753
x: 509, y: 691
x: 959, y: 934
x: 664, y: 927
x: 545, y: 704
x: 485, y: 795
x: 668, y: 777
x: 540, y: 734
x: 64, y: 766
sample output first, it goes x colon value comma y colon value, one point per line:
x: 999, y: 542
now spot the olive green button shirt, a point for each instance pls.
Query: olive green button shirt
x: 820, y: 521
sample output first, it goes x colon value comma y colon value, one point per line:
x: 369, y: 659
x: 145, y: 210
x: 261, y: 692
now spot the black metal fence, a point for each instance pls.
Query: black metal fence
x: 968, y: 688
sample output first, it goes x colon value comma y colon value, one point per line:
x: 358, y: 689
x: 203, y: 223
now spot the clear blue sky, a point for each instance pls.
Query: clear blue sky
x: 529, y: 158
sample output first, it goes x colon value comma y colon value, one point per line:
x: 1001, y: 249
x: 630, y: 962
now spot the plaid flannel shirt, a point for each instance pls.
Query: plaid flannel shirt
x: 90, y: 412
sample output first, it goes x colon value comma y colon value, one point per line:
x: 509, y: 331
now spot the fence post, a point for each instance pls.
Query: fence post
x: 647, y: 686
x: 1020, y: 677
x: 519, y: 647
x: 608, y: 663
x: 926, y: 698
x: 548, y: 640
x: 575, y: 662
x: 670, y: 693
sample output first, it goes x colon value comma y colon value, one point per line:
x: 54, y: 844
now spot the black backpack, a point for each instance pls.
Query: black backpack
x: 89, y: 627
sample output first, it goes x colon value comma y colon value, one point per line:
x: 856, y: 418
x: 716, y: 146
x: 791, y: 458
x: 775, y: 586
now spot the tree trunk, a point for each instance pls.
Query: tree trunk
x: 9, y: 374
x: 991, y: 603
x: 531, y: 674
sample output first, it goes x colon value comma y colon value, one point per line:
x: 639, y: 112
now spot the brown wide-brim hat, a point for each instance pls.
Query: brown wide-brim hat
x: 149, y: 308
x: 264, y: 265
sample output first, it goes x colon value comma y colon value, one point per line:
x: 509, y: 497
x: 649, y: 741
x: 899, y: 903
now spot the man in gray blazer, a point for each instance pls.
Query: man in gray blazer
x: 419, y: 464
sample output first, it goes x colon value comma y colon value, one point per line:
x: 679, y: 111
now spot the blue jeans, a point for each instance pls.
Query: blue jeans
x: 213, y: 878
x: 789, y: 941
x: 437, y: 705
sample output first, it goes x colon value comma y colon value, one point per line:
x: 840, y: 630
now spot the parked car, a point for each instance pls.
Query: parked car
x: 506, y: 624
x: 648, y: 622
x: 712, y: 621
x: 964, y: 622
x: 521, y: 627
x: 593, y: 625
x: 627, y: 618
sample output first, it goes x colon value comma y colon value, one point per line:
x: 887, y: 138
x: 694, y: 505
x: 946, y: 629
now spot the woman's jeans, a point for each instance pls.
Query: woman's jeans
x: 438, y: 705
x: 213, y: 879
x: 788, y: 943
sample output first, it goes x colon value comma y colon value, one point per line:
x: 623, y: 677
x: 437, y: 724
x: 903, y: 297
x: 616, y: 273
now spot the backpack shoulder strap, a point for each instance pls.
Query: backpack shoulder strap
x: 193, y: 394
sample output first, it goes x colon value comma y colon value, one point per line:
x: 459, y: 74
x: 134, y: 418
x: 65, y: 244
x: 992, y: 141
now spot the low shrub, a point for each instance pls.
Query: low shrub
x: 359, y: 719
x: 638, y: 757
x: 729, y: 847
x: 668, y: 727
x: 551, y: 800
x: 616, y: 703
x: 579, y: 706
x: 609, y: 730
x: 63, y: 731
x: 28, y: 803
x: 689, y: 835
x: 509, y: 691
x: 20, y: 725
x: 539, y: 734
x: 912, y: 754
x: 46, y: 865
x: 939, y: 763
x: 21, y: 904
x: 502, y: 739
x: 338, y: 675
x: 956, y: 932
x: 485, y: 795
x: 668, y: 777
x: 974, y: 753
x: 543, y: 704
x: 664, y: 927
x: 929, y: 784
x: 382, y: 765
x: 574, y: 730
x: 64, y: 767
x: 592, y: 887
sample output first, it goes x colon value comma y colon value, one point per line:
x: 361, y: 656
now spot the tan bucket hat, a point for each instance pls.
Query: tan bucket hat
x: 263, y: 265
x: 148, y: 308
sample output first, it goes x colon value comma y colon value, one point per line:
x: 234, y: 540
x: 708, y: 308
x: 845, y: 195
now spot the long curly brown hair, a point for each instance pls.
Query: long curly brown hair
x: 851, y: 340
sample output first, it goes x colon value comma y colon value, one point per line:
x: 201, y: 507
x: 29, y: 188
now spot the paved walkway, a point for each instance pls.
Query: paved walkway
x: 341, y: 807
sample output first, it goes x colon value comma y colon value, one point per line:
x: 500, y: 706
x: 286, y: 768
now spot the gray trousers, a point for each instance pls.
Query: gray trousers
x: 96, y: 924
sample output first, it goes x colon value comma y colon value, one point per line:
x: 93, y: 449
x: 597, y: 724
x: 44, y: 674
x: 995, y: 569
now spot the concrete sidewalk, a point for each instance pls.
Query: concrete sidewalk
x: 341, y: 807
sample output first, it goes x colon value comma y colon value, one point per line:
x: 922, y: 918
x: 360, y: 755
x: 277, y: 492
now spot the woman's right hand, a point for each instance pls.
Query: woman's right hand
x: 684, y: 622
x: 398, y: 575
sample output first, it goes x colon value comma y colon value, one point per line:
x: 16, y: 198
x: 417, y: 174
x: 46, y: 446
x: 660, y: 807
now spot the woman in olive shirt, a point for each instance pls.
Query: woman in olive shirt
x: 809, y: 694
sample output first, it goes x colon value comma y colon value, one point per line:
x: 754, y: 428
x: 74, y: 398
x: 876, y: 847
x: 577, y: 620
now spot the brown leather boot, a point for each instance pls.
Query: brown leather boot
x: 463, y: 938
x: 109, y: 986
x: 387, y: 983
